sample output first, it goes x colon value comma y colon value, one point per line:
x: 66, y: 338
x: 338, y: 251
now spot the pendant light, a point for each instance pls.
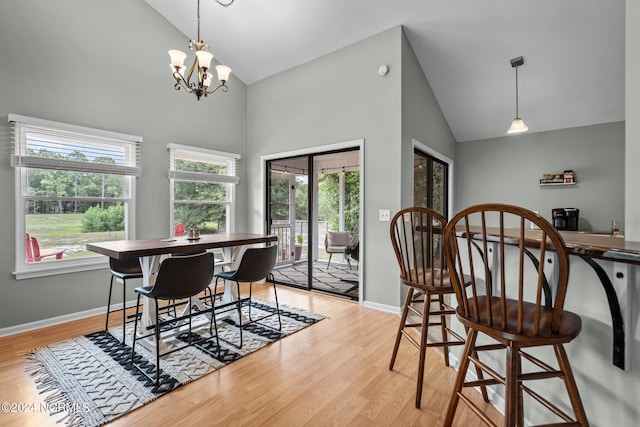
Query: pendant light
x: 518, y: 125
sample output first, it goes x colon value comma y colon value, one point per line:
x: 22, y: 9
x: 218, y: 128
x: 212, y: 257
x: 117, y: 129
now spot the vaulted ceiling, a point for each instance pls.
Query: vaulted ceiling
x: 573, y: 74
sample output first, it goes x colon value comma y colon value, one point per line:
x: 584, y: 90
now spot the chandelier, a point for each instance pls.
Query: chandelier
x: 198, y: 80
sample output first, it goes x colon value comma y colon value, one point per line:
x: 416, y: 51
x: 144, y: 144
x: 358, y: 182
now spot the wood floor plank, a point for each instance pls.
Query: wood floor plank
x: 334, y: 373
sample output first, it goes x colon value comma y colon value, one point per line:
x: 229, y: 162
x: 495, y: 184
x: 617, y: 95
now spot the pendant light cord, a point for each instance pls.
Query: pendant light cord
x: 517, y: 114
x: 199, y: 31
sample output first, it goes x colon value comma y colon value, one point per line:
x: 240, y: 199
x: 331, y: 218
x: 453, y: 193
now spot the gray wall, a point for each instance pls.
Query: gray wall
x: 632, y: 119
x: 102, y: 64
x: 340, y: 97
x: 508, y: 170
x: 422, y: 119
x: 336, y: 98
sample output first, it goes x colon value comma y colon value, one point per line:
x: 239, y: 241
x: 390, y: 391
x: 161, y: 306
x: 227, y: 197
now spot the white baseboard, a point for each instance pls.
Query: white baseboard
x: 382, y: 307
x: 26, y: 327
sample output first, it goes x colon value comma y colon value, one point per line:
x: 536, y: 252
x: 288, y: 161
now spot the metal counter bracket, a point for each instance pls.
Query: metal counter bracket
x: 619, y: 300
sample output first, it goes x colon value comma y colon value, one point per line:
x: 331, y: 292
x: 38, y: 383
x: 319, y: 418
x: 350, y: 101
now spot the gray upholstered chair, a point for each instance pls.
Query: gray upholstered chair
x: 335, y: 242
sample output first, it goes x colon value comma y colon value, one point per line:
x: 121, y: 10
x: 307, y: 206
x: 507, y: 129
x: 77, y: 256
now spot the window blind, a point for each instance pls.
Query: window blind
x: 202, y: 155
x: 46, y: 144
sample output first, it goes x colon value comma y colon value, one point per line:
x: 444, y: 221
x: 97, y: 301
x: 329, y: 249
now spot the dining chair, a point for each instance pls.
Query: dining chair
x: 416, y: 236
x: 121, y: 271
x: 510, y: 301
x: 255, y: 265
x: 180, y: 277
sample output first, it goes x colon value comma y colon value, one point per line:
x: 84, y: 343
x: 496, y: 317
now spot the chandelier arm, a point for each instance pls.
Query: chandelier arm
x: 221, y: 86
x: 182, y: 83
x: 193, y: 68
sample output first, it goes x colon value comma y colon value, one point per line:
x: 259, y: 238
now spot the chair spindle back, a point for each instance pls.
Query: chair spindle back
x: 492, y: 247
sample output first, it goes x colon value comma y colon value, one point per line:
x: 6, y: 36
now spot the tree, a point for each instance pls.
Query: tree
x: 329, y: 200
x: 195, y: 202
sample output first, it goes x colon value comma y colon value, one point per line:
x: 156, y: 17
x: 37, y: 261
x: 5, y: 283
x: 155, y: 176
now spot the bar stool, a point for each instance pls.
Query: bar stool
x: 416, y: 235
x: 256, y: 265
x: 510, y: 301
x: 179, y: 277
x: 122, y: 270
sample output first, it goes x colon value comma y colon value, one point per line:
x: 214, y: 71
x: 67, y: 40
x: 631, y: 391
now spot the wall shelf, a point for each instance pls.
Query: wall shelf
x: 555, y: 184
x: 568, y: 177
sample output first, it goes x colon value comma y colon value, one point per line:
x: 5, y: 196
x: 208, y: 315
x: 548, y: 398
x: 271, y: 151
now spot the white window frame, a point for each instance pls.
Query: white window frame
x: 22, y: 162
x: 231, y: 179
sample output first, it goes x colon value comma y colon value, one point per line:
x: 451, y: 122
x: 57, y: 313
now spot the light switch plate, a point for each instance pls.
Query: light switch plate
x: 384, y: 214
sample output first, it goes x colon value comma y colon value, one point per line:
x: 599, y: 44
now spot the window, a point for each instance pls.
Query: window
x: 202, y: 189
x: 74, y: 185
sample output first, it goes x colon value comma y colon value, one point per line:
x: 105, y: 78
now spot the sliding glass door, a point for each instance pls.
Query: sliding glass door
x: 313, y: 204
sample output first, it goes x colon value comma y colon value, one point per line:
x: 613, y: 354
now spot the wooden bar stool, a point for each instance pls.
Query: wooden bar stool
x: 416, y: 235
x: 510, y: 300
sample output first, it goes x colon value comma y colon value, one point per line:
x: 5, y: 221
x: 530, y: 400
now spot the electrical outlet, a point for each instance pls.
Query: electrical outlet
x: 384, y: 214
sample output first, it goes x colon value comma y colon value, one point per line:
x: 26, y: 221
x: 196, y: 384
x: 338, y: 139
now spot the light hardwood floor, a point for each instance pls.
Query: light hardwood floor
x: 334, y: 373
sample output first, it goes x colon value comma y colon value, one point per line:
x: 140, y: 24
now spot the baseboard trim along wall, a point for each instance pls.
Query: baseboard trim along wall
x: 26, y: 327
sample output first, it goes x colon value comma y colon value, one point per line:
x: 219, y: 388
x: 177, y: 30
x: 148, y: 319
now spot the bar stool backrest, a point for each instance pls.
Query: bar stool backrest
x: 125, y: 267
x: 183, y: 276
x: 256, y: 264
x: 501, y: 283
x: 416, y: 236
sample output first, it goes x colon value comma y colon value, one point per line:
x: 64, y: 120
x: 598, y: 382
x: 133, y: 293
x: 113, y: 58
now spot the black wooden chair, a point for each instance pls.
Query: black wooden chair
x: 256, y: 265
x: 510, y: 301
x: 181, y: 277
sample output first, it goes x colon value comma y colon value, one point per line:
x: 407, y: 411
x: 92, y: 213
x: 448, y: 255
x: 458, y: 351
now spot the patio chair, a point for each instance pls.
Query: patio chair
x: 33, y: 252
x: 178, y: 230
x: 335, y: 242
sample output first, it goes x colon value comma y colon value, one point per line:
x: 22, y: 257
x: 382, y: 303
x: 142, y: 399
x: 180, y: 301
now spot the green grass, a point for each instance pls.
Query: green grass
x: 64, y: 231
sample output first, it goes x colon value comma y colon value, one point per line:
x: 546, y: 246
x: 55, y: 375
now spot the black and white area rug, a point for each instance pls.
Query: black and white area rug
x: 89, y: 380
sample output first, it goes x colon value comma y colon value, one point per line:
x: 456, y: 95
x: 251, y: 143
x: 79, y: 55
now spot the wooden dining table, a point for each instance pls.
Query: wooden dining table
x: 150, y: 252
x: 593, y: 247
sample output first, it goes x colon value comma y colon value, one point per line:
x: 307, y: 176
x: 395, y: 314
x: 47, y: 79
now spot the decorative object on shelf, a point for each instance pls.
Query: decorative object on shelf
x: 558, y: 178
x: 518, y: 125
x: 202, y: 83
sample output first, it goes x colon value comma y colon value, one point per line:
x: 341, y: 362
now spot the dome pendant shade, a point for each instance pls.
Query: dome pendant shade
x: 518, y: 126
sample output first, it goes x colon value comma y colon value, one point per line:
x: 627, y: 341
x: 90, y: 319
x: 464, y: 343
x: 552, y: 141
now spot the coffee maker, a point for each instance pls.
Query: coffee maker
x: 565, y: 218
